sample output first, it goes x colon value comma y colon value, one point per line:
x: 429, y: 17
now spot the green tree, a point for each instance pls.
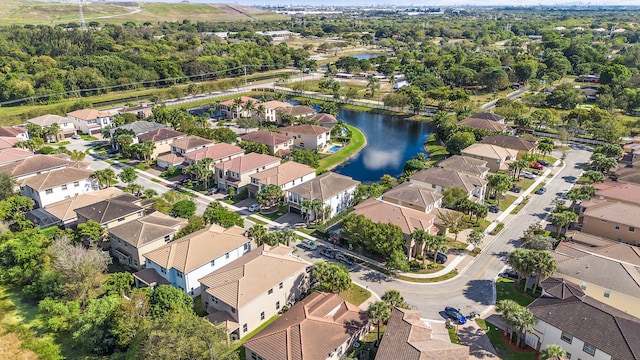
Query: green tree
x: 494, y: 79
x: 451, y: 196
x: 257, y: 233
x: 508, y: 309
x: 306, y: 157
x: 132, y: 317
x: 397, y: 260
x: 105, y: 177
x: 594, y: 176
x: 194, y: 224
x: 544, y: 265
x: 119, y: 283
x: 58, y: 315
x: 93, y: 328
x: 184, y: 209
x: 254, y: 147
x: 128, y: 175
x: 166, y: 299
x: 394, y: 299
x: 552, y: 351
x: 476, y: 237
x: 216, y: 213
x: 499, y: 184
x: 7, y: 186
x: 269, y: 195
x: 459, y: 141
x: 379, y: 312
x: 521, y: 261
x: 91, y: 232
x: 331, y: 276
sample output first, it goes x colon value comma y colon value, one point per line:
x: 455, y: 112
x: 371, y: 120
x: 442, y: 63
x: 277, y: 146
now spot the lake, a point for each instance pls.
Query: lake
x: 364, y: 56
x: 390, y: 143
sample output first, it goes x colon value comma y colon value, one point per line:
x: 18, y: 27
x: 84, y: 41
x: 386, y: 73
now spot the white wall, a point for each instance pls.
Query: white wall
x: 290, y: 184
x: 549, y: 334
x: 59, y: 193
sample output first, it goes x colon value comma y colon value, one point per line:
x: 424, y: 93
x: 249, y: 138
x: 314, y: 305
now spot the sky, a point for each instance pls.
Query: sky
x: 448, y: 3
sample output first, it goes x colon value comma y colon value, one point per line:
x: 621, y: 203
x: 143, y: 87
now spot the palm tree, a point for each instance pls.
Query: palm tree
x: 237, y: 104
x: 257, y: 233
x: 373, y: 85
x: 394, y: 299
x: 544, y: 265
x: 420, y: 237
x: 261, y: 112
x: 545, y: 148
x: 76, y: 155
x: 552, y: 351
x: 507, y: 309
x: 521, y: 261
x: 305, y: 206
x: 316, y: 207
x: 438, y: 244
x: 523, y: 321
x: 104, y: 176
x: 379, y: 312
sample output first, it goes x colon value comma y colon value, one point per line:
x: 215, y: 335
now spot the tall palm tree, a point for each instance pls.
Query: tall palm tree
x: 379, y: 312
x: 257, y: 233
x: 552, y: 351
x: 544, y: 265
x: 521, y: 261
x: 261, y: 112
x: 373, y: 85
x: 237, y: 104
x: 507, y: 309
x: 438, y: 244
x: 420, y: 237
x: 316, y: 207
x: 305, y: 206
x: 523, y: 321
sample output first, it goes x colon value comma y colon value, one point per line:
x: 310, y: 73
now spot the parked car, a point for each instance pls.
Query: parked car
x: 515, y: 188
x: 328, y: 253
x: 536, y: 165
x: 543, y: 162
x: 75, y: 137
x: 308, y: 244
x: 212, y: 191
x: 254, y: 207
x: 509, y: 274
x: 528, y: 175
x: 541, y: 191
x: 494, y: 209
x: 455, y: 315
x: 441, y: 258
x: 346, y: 259
x: 563, y: 195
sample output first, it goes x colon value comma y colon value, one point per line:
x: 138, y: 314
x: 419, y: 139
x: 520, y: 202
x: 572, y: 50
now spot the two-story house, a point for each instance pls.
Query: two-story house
x: 519, y: 144
x: 334, y: 190
x: 285, y: 176
x: 611, y: 220
x: 189, y: 144
x: 134, y: 238
x: 271, y: 109
x: 182, y: 262
x: 440, y: 179
x: 311, y: 137
x: 414, y: 196
x: 243, y: 295
x: 487, y: 121
x: 163, y: 138
x: 217, y: 152
x: 90, y: 121
x: 141, y: 111
x: 237, y: 172
x: 324, y: 120
x: 54, y: 186
x: 66, y: 128
x: 296, y: 111
x: 137, y: 128
x: 278, y: 144
x: 113, y: 211
x: 11, y: 155
x: 229, y: 109
x: 38, y: 164
x: 497, y: 158
x: 320, y: 326
x: 467, y: 165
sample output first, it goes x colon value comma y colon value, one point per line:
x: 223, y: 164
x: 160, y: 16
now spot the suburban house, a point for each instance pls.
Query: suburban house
x: 441, y: 179
x: 183, y: 261
x: 12, y: 155
x: 242, y: 295
x: 311, y: 137
x: 285, y: 176
x: 54, y: 186
x: 584, y: 327
x: 7, y: 142
x: 618, y: 192
x: 90, y: 121
x: 467, y: 165
x: 163, y: 138
x: 19, y: 133
x: 324, y: 120
x: 485, y: 123
x: 230, y: 111
x: 414, y: 196
x: 113, y: 211
x: 521, y: 145
x: 66, y: 127
x: 63, y: 212
x: 168, y: 160
x: 278, y: 144
x: 134, y: 238
x: 237, y: 172
x: 488, y: 116
x: 612, y: 220
x: 297, y: 111
x: 409, y: 220
x: 605, y: 270
x: 217, y: 152
x: 36, y: 165
x: 408, y: 337
x: 334, y: 190
x: 321, y: 326
x: 270, y: 109
x: 189, y: 143
x: 137, y: 128
x: 498, y: 158
x: 142, y: 111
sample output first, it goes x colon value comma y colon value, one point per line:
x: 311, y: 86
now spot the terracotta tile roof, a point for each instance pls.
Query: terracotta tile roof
x: 609, y: 330
x: 510, y: 142
x: 624, y: 192
x: 483, y: 124
x: 199, y: 248
x: 407, y: 219
x: 322, y: 118
x: 150, y: 277
x: 216, y: 152
x: 283, y: 173
x: 413, y: 194
x: 7, y: 142
x: 296, y: 110
x: 600, y: 246
x: 490, y: 151
x: 171, y: 158
x: 313, y: 328
x: 266, y: 137
x: 48, y: 119
x: 244, y: 279
x: 147, y: 229
x: 447, y: 179
x: 12, y: 155
x: 55, y: 178
x: 110, y: 209
x: 488, y: 116
x: 89, y: 114
x: 245, y: 99
x: 11, y: 131
x: 304, y: 129
x: 324, y: 186
x: 465, y: 164
x: 191, y: 142
x: 34, y: 164
x: 409, y: 338
x: 274, y: 104
x: 247, y: 162
x: 160, y: 135
x: 620, y: 213
x: 65, y: 209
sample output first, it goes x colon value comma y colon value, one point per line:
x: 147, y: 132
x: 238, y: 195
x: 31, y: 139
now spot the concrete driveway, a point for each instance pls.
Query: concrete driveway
x: 480, y: 347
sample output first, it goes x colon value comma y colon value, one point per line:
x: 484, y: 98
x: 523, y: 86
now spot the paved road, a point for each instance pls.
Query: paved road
x: 513, y: 95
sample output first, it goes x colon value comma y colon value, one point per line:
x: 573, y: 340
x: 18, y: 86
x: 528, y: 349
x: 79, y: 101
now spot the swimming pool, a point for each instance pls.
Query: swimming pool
x: 335, y: 148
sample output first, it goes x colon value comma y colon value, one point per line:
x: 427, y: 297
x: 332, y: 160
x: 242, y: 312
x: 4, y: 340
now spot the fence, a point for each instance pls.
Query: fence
x: 571, y: 138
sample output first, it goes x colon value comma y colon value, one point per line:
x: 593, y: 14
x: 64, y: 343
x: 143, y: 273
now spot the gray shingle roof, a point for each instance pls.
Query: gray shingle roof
x: 111, y: 209
x: 141, y: 127
x: 324, y: 186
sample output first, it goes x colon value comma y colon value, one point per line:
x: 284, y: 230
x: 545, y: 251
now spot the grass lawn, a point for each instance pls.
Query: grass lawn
x: 356, y: 295
x: 446, y: 276
x: 505, y: 289
x: 503, y: 350
x: 253, y: 218
x: 358, y: 141
x: 276, y: 214
x: 88, y: 138
x: 505, y: 202
x: 458, y: 245
x: 453, y: 336
x: 481, y: 224
x: 436, y: 151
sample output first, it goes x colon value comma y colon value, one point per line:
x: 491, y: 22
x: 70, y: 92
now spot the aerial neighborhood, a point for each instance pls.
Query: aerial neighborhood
x: 310, y: 182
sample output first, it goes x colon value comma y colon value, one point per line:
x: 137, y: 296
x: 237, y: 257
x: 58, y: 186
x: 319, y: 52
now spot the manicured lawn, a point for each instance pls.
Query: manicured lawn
x: 254, y: 332
x: 276, y: 214
x: 436, y: 151
x: 356, y: 295
x: 505, y: 202
x: 88, y: 138
x: 254, y: 219
x: 481, y: 224
x: 458, y: 245
x: 453, y: 336
x: 505, y: 289
x: 503, y: 350
x: 358, y: 141
x: 446, y: 276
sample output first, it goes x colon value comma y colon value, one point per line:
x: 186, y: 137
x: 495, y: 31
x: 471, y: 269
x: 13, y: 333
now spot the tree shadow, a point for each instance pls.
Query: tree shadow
x: 375, y: 276
x: 480, y: 291
x: 504, y: 255
x: 478, y: 348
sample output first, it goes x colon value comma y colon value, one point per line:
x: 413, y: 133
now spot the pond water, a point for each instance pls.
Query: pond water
x: 364, y: 56
x: 390, y: 143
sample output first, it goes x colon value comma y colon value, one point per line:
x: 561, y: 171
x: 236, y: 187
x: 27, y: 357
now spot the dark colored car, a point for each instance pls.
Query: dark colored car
x: 493, y: 209
x: 455, y: 315
x: 328, y: 253
x: 515, y: 189
x: 344, y: 259
x: 509, y: 274
x: 441, y: 258
x: 541, y: 191
x: 543, y: 162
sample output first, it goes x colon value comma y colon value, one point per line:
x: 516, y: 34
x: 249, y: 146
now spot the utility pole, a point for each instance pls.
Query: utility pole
x: 83, y: 23
x: 245, y: 75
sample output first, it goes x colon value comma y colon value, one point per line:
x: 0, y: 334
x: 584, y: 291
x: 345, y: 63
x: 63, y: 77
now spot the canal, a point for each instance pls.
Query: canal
x: 390, y: 143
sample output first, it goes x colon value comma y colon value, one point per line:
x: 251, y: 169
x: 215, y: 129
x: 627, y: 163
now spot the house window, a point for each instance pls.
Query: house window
x: 270, y: 292
x: 246, y: 246
x: 618, y: 227
x: 226, y: 256
x: 48, y: 191
x: 566, y: 337
x: 76, y: 183
x: 632, y: 229
x: 607, y: 293
x: 179, y: 274
x: 589, y: 349
x: 245, y: 328
x: 255, y: 357
x: 64, y: 187
x: 583, y: 286
x: 163, y: 270
x: 280, y: 286
x: 167, y: 237
x: 233, y: 310
x: 121, y: 219
x: 262, y: 316
x: 213, y: 263
x: 277, y: 305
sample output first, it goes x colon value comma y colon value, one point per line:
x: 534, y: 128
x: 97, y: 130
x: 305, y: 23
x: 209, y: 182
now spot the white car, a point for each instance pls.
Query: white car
x: 254, y: 207
x: 308, y: 244
x: 528, y: 175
